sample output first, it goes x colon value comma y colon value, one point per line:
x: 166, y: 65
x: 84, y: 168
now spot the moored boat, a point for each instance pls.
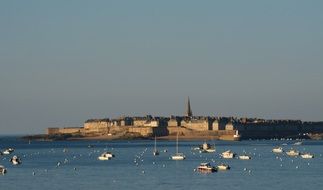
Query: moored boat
x: 244, y: 157
x: 177, y: 155
x: 298, y: 143
x: 106, y: 156
x: 206, y: 167
x: 307, y: 155
x: 277, y: 150
x: 207, y: 148
x: 15, y: 160
x: 155, y: 152
x: 228, y: 154
x: 8, y: 151
x: 3, y: 170
x: 223, y: 167
x: 292, y: 152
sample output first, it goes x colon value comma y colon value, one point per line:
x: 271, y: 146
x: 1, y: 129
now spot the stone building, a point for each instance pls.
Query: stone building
x: 96, y: 125
x: 197, y: 123
x: 174, y: 121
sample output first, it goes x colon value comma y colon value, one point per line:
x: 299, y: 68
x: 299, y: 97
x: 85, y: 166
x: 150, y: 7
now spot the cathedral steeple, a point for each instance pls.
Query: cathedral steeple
x: 188, y: 108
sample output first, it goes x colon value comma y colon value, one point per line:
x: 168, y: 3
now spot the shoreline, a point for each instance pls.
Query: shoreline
x: 78, y: 137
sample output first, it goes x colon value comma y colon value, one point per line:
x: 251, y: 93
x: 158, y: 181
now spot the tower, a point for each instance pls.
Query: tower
x: 188, y: 108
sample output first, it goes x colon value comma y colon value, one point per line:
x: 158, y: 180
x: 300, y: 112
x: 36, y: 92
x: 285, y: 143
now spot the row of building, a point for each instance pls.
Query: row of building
x: 196, y: 123
x: 149, y: 125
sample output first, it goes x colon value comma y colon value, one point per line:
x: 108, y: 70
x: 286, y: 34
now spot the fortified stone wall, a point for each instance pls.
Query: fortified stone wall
x: 139, y: 123
x: 67, y: 130
x: 71, y: 130
x: 144, y: 131
x: 198, y: 125
x: 173, y: 123
x: 52, y: 131
x: 96, y: 126
x: 151, y: 124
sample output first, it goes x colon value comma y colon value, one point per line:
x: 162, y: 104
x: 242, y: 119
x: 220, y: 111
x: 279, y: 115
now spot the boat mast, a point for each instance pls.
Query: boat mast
x: 177, y: 142
x: 155, y: 144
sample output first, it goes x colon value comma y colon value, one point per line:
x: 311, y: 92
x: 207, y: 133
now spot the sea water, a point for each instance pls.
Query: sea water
x: 74, y: 165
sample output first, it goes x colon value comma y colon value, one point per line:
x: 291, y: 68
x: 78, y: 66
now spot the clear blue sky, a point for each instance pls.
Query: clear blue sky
x: 62, y: 62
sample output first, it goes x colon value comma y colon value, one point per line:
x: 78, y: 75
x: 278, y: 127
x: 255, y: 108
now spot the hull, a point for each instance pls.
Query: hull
x: 6, y: 152
x: 276, y: 150
x: 292, y: 153
x: 223, y: 167
x: 103, y: 158
x: 206, y: 170
x: 228, y: 155
x: 178, y: 157
x: 307, y: 156
x: 14, y: 162
x: 3, y: 170
x: 244, y: 157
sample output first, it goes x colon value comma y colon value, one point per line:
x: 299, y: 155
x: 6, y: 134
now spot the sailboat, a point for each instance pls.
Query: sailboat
x: 178, y: 156
x: 155, y: 152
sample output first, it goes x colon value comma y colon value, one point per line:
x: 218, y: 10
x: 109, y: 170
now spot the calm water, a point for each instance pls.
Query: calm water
x: 82, y: 170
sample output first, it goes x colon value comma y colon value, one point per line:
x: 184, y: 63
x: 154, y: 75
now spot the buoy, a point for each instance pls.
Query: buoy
x: 34, y: 173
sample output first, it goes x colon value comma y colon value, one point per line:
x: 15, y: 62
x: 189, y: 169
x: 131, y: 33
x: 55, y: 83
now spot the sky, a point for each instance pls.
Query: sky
x: 63, y: 62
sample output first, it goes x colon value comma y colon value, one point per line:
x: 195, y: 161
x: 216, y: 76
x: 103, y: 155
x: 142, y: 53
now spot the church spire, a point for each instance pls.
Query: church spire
x: 188, y: 109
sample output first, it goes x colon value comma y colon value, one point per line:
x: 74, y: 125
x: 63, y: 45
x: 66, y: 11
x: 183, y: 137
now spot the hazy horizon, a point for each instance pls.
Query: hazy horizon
x: 63, y: 62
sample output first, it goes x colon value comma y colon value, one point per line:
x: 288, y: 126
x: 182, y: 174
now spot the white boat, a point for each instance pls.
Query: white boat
x: 8, y: 151
x: 298, y: 143
x: 292, y: 152
x: 211, y: 150
x: 178, y: 156
x: 206, y: 167
x: 244, y: 157
x: 277, y: 150
x: 15, y: 160
x: 207, y: 148
x: 3, y: 170
x: 307, y: 155
x: 223, y: 167
x: 155, y: 152
x: 228, y: 154
x: 106, y: 156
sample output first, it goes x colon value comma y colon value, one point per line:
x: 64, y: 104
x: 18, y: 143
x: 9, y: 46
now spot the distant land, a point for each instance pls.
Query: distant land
x: 185, y: 127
